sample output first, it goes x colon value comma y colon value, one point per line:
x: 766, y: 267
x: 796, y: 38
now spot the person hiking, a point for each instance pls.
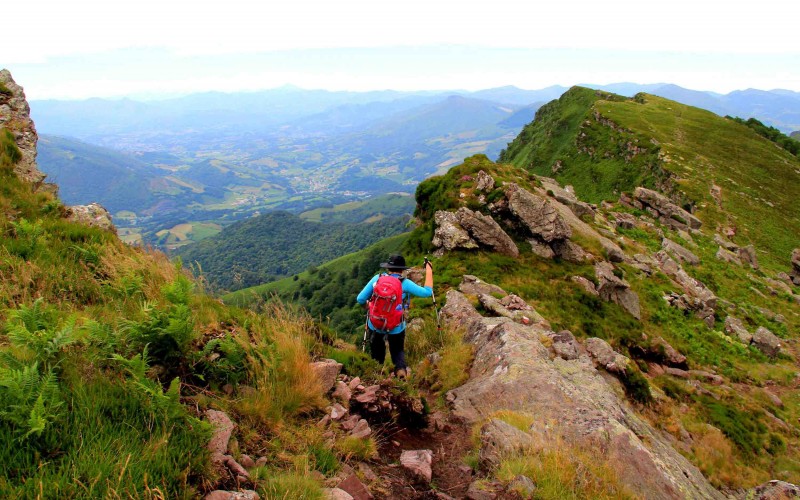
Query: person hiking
x: 386, y: 310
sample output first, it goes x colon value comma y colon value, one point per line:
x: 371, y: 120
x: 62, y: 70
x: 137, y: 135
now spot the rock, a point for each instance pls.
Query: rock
x: 261, y: 462
x: 338, y: 412
x: 537, y: 214
x: 369, y: 396
x: 668, y: 354
x: 232, y: 495
x: 569, y: 251
x: 725, y: 244
x: 735, y: 328
x: 449, y: 234
x: 541, y: 249
x: 679, y: 252
x: 772, y: 490
x: 223, y: 427
x: 498, y: 439
x: 15, y: 116
x: 655, y: 369
x: 326, y: 370
x: 774, y: 399
x: 235, y: 467
x: 355, y: 488
x: 795, y: 274
x: 623, y: 220
x: 701, y: 295
x: 246, y: 461
x: 527, y: 315
x: 342, y: 392
x: 613, y: 252
x: 566, y: 196
x: 707, y: 376
x: 728, y: 256
x: 676, y: 372
x: 565, y: 346
x: 666, y: 211
x: 587, y: 285
x: 472, y: 285
x: 457, y: 310
x: 606, y: 357
x: 93, y: 215
x: 523, y: 485
x: 355, y: 382
x: 367, y: 472
x: 361, y: 430
x: 748, y: 256
x: 350, y: 422
x: 486, y: 232
x: 484, y: 182
x: 778, y: 286
x: 614, y: 289
x: 418, y: 462
x: 336, y: 494
x: 766, y: 342
x: 514, y: 302
x: 476, y: 492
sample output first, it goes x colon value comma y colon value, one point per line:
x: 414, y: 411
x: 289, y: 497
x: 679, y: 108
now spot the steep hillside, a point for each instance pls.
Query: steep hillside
x: 279, y: 244
x: 605, y: 145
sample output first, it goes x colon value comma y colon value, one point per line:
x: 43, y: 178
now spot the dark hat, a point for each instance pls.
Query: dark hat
x: 395, y: 262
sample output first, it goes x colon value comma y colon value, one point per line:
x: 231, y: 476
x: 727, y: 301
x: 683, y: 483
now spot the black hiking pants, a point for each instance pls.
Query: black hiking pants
x: 397, y: 342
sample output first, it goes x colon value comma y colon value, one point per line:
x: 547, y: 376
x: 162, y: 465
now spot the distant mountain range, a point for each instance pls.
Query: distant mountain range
x: 216, y: 157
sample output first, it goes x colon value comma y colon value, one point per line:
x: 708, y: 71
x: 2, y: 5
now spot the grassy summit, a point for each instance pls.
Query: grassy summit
x: 604, y: 145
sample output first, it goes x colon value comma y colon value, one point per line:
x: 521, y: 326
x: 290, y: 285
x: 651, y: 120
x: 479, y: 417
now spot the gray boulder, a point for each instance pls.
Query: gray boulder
x: 499, y: 439
x: 472, y: 285
x: 667, y: 212
x: 222, y: 429
x: 15, y: 116
x: 486, y: 232
x: 569, y: 251
x: 614, y: 289
x: 727, y: 256
x: 449, y: 234
x: 796, y: 266
x: 772, y: 490
x: 748, y: 255
x: 606, y: 357
x: 326, y: 371
x: 694, y: 288
x: 418, y: 462
x: 736, y: 329
x: 679, y: 252
x: 93, y: 214
x: 766, y: 342
x: 484, y: 182
x: 668, y: 354
x: 537, y: 214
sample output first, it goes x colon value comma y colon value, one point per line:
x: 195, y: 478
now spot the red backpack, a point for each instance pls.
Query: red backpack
x: 386, y: 304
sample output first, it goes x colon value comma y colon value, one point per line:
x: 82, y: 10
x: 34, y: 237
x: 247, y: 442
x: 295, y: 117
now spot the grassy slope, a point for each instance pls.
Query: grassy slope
x: 591, y: 133
x: 107, y: 354
x: 750, y: 442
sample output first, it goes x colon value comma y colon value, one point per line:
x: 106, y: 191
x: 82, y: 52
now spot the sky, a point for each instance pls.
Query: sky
x: 74, y: 49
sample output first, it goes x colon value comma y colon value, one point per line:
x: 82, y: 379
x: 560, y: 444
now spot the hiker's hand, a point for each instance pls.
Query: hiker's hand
x: 428, y: 264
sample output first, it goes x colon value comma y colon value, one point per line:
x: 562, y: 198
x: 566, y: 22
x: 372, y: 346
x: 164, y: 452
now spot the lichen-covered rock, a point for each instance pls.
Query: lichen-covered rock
x: 521, y: 314
x: 587, y: 285
x: 513, y: 370
x: 766, y: 342
x: 484, y: 182
x: 569, y: 251
x: 93, y: 214
x: 541, y: 249
x: 566, y: 196
x: 796, y: 266
x: 727, y: 256
x: 606, y: 357
x: 667, y: 212
x: 472, y: 285
x: 15, y: 116
x: 449, y: 234
x: 565, y: 346
x: 772, y: 490
x: 614, y: 289
x: 735, y: 328
x: 679, y: 252
x: 624, y: 221
x: 694, y: 288
x: 537, y: 214
x: 666, y: 352
x: 727, y: 245
x: 223, y: 427
x: 498, y: 439
x: 484, y: 230
x: 232, y: 495
x: 613, y: 252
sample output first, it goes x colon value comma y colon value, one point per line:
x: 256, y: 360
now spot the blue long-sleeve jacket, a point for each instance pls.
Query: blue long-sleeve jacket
x: 409, y: 288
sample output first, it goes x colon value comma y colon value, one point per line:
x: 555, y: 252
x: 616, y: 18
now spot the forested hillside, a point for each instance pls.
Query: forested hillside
x: 279, y: 244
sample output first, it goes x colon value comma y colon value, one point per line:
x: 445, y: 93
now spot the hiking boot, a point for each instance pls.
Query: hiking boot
x: 401, y: 373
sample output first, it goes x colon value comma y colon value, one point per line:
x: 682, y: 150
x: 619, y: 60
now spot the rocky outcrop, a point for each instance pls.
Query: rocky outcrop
x: 660, y: 207
x: 418, y: 462
x: 449, y: 235
x: 772, y: 490
x: 232, y: 495
x: 567, y: 197
x: 326, y: 371
x: 679, y: 252
x: 795, y: 275
x: 614, y: 289
x: 93, y: 214
x: 537, y: 214
x: 605, y: 357
x: 472, y: 285
x: 499, y: 439
x: 484, y: 182
x: 512, y: 307
x: 698, y: 297
x: 486, y: 232
x: 748, y: 256
x: 726, y: 255
x: 735, y: 328
x: 15, y: 116
x: 468, y: 230
x: 513, y: 370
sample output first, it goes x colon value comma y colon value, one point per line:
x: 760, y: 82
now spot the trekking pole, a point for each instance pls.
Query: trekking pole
x: 366, y: 333
x: 435, y: 309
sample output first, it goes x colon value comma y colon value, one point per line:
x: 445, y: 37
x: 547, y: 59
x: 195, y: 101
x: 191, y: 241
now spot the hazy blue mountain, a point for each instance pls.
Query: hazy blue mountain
x: 515, y: 95
x: 695, y: 98
x: 625, y: 88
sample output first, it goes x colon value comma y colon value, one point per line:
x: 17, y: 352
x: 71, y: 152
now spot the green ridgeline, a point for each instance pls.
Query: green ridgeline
x: 603, y: 145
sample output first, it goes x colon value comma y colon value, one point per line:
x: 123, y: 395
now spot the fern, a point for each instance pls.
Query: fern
x: 43, y: 345
x: 150, y: 391
x: 179, y: 292
x: 30, y: 399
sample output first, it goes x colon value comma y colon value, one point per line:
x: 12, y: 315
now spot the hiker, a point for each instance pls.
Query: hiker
x: 386, y: 310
